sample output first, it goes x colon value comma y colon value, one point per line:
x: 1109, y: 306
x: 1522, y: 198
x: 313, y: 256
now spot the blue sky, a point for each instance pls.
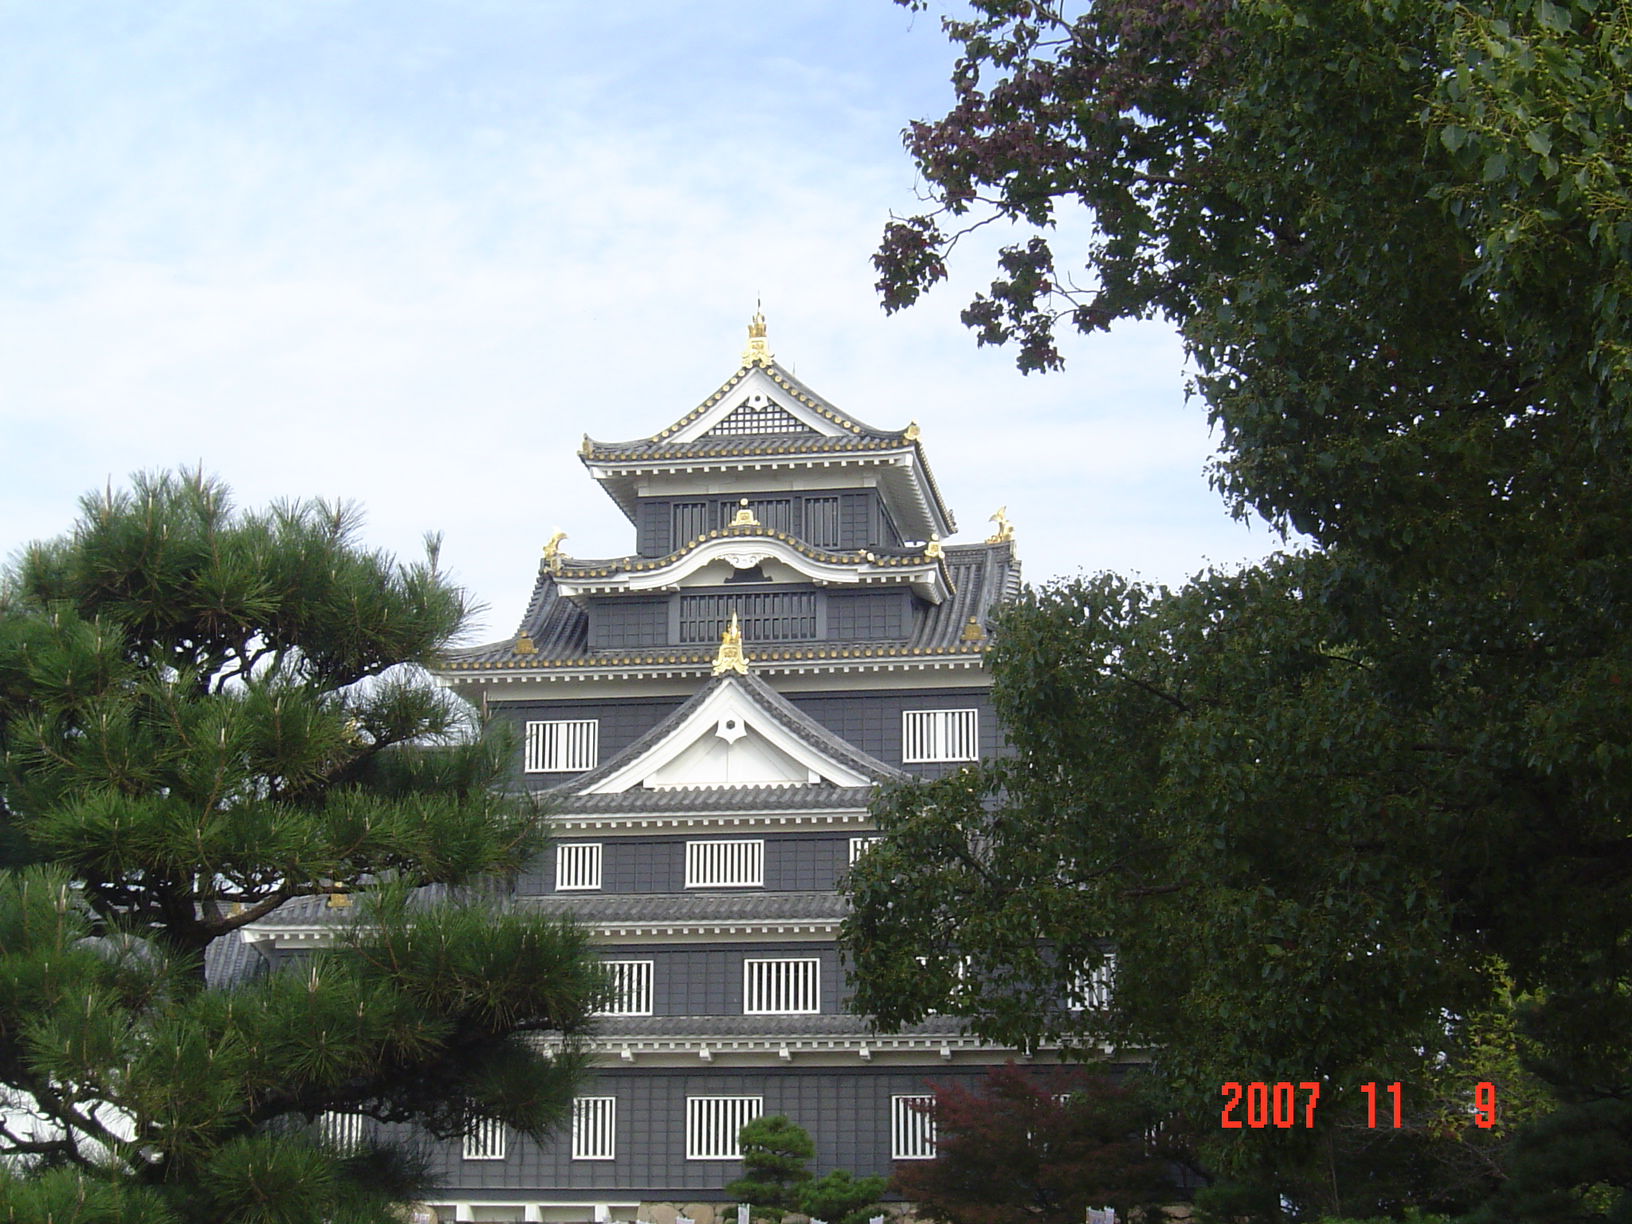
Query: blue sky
x: 408, y: 253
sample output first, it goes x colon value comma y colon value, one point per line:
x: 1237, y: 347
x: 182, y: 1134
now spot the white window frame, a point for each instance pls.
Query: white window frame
x: 726, y: 863
x: 487, y: 1141
x: 912, y: 1131
x: 579, y: 862
x: 632, y: 988
x: 931, y: 737
x: 594, y: 1128
x: 782, y: 986
x: 859, y: 845
x: 713, y: 1124
x: 562, y: 745
x: 340, y: 1130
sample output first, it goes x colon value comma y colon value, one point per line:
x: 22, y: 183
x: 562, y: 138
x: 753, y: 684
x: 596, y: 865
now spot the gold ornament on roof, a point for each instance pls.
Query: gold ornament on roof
x: 910, y: 433
x: 524, y: 645
x: 1005, y: 529
x: 758, y: 351
x: 553, y: 556
x: 933, y: 549
x: 744, y: 517
x: 972, y: 632
x: 730, y: 658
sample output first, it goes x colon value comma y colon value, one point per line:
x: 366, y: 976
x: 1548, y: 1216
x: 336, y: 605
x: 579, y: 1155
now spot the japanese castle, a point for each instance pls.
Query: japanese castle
x: 709, y: 716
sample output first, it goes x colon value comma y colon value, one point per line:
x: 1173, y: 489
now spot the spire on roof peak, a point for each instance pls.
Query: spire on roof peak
x: 758, y: 351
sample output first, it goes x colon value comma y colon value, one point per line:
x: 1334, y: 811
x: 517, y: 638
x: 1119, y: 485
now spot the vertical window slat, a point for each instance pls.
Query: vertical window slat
x: 713, y: 1123
x: 577, y: 865
x: 631, y: 982
x: 594, y: 1127
x: 725, y: 864
x: 562, y: 745
x: 912, y: 1129
x: 929, y: 736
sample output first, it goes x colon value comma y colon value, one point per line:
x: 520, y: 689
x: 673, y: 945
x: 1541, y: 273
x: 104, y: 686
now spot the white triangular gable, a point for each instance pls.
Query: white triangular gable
x: 728, y: 740
x: 757, y: 390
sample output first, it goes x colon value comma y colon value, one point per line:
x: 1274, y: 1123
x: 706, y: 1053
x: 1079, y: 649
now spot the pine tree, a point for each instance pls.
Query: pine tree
x: 774, y: 1154
x: 207, y: 715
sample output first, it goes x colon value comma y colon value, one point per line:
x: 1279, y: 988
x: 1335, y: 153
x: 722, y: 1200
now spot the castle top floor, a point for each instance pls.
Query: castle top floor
x: 767, y: 444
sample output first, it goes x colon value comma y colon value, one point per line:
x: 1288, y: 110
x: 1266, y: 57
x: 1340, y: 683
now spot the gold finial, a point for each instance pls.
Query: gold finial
x: 744, y: 517
x: 524, y: 645
x: 758, y: 351
x: 972, y: 632
x: 1005, y: 529
x: 339, y: 900
x: 910, y: 433
x: 933, y: 549
x: 731, y: 658
x: 553, y: 556
x: 586, y: 446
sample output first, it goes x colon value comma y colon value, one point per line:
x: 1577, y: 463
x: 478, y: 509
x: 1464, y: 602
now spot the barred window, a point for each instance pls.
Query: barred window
x: 577, y: 865
x: 485, y: 1141
x: 912, y: 1128
x: 762, y: 616
x: 1091, y: 990
x: 594, y: 1128
x: 773, y: 513
x: 859, y: 845
x: 691, y: 519
x: 342, y: 1132
x: 713, y: 1122
x: 725, y: 864
x: 822, y: 521
x: 631, y: 988
x: 563, y: 745
x: 939, y: 735
x: 790, y: 987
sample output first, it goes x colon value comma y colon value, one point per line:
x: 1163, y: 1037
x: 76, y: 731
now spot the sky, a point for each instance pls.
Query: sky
x: 407, y: 254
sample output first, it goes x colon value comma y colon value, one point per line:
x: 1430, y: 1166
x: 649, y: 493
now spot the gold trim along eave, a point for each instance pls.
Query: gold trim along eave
x: 472, y: 674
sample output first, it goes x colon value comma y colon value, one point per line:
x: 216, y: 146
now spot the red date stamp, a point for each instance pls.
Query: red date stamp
x: 1286, y: 1104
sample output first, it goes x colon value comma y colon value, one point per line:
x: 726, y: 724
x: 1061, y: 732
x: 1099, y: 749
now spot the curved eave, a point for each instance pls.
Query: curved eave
x: 927, y: 575
x: 912, y: 484
x: 787, y: 661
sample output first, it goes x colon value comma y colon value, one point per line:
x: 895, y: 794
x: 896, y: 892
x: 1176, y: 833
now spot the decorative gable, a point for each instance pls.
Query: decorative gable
x: 757, y: 396
x: 736, y: 732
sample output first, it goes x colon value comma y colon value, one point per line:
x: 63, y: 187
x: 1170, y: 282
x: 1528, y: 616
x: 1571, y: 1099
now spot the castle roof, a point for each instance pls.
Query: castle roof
x: 554, y: 631
x: 762, y: 417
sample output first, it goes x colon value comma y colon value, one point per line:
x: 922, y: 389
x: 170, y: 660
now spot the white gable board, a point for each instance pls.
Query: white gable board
x: 729, y: 740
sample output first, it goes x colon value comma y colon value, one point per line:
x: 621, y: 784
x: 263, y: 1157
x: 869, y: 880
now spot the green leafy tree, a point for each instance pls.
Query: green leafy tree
x: 1037, y: 1148
x: 205, y: 716
x: 775, y: 1152
x: 1322, y: 809
x: 840, y: 1197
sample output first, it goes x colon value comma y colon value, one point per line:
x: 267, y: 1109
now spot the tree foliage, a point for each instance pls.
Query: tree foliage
x: 1042, y: 1147
x: 840, y: 1197
x: 205, y: 717
x: 775, y: 1152
x: 1325, y: 809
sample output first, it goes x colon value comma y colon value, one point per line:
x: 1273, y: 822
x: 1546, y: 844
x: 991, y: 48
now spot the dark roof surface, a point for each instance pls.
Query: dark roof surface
x: 611, y: 1028
x: 682, y: 800
x: 854, y: 431
x: 982, y: 576
x: 696, y: 906
x: 646, y: 450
